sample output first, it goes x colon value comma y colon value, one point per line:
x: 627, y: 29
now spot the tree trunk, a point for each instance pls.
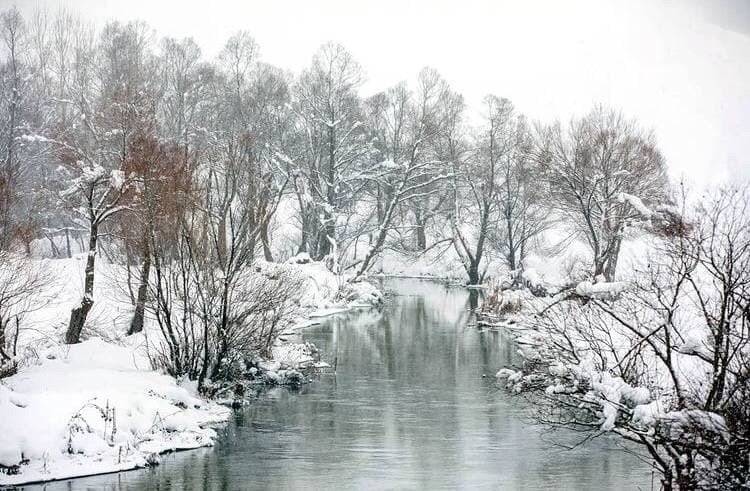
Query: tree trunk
x: 77, y: 320
x: 266, y: 241
x: 473, y: 273
x: 329, y: 215
x: 610, y: 267
x: 473, y: 299
x: 599, y: 267
x: 78, y: 315
x: 67, y: 243
x: 420, y: 228
x: 323, y: 245
x: 136, y: 324
x: 221, y: 240
x: 305, y: 237
x: 53, y: 246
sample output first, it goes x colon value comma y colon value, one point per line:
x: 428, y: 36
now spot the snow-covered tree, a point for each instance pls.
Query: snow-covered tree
x: 590, y: 166
x: 523, y: 210
x: 110, y: 100
x: 477, y: 183
x: 333, y: 146
x: 405, y: 127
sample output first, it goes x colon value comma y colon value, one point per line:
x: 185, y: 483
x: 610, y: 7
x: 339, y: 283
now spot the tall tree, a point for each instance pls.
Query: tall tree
x: 405, y: 128
x: 523, y: 213
x: 14, y: 86
x: 601, y: 169
x: 477, y: 184
x: 333, y: 145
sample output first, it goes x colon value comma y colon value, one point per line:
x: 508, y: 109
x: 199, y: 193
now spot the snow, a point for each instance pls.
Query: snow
x: 694, y: 342
x: 505, y: 373
x: 647, y: 414
x: 293, y: 354
x: 438, y: 263
x: 360, y: 294
x: 689, y: 419
x: 612, y: 393
x: 532, y: 277
x: 636, y: 203
x: 96, y: 407
x: 117, y: 179
x: 601, y: 289
x: 301, y: 258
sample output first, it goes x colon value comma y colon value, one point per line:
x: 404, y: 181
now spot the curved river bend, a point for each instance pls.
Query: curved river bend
x: 408, y: 408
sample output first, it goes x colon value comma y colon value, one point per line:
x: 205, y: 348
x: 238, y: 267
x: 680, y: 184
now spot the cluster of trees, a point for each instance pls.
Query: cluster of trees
x: 142, y: 149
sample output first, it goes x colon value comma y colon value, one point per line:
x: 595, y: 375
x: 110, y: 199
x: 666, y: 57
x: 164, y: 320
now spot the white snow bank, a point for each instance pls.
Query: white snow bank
x: 301, y: 258
x: 532, y: 277
x: 321, y: 285
x: 505, y: 373
x: 96, y: 407
x: 604, y: 289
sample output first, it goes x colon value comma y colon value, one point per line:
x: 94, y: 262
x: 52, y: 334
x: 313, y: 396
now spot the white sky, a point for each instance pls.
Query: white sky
x: 662, y: 61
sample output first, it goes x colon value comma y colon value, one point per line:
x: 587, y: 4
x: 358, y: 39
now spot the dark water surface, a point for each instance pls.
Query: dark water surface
x: 407, y: 408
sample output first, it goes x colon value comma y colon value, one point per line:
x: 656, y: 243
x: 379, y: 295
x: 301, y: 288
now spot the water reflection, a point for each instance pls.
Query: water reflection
x: 407, y: 408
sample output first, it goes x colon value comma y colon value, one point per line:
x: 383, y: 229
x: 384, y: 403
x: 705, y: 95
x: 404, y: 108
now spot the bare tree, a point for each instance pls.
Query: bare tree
x: 14, y: 100
x: 110, y: 96
x: 593, y: 168
x: 23, y: 285
x: 161, y: 178
x: 477, y: 183
x: 523, y: 211
x: 333, y: 145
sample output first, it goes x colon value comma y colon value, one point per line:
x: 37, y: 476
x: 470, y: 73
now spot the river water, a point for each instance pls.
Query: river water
x: 408, y: 407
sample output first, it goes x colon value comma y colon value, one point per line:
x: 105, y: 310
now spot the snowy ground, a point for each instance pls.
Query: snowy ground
x: 98, y: 406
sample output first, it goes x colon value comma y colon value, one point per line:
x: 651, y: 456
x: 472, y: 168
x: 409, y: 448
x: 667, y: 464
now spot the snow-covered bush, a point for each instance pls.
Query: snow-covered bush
x: 360, y: 293
x: 662, y: 361
x: 23, y: 285
x: 209, y: 327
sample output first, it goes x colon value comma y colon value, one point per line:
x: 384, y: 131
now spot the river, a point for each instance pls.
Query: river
x: 413, y: 404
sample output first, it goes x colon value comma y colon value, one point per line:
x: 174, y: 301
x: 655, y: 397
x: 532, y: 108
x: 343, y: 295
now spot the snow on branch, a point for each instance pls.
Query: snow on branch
x: 637, y: 204
x: 603, y: 289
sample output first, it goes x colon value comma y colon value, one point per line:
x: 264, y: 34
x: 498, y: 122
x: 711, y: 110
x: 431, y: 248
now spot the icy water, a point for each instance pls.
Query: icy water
x: 408, y: 408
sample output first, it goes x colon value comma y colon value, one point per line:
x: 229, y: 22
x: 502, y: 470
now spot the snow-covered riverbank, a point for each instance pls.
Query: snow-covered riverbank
x: 98, y: 406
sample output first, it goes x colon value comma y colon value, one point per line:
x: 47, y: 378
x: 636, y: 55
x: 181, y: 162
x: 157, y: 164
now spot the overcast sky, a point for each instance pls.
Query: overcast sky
x: 680, y: 67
